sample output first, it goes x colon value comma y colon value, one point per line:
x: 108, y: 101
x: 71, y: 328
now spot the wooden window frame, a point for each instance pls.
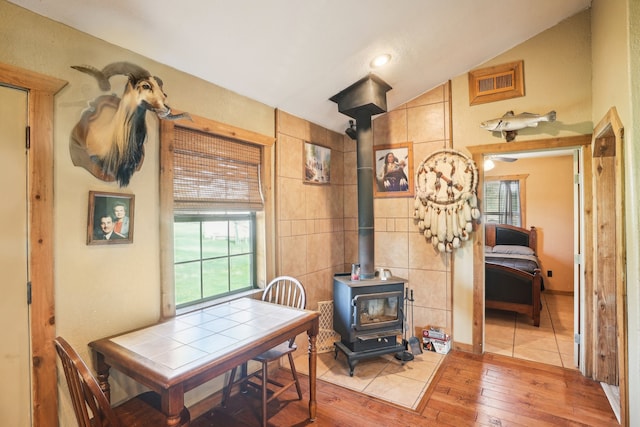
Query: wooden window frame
x: 167, y: 135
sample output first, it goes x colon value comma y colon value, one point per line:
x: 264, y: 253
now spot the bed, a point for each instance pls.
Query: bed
x: 513, y: 279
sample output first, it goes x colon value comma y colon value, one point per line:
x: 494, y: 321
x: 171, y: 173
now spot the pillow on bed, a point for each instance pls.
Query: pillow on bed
x: 488, y: 249
x: 512, y: 249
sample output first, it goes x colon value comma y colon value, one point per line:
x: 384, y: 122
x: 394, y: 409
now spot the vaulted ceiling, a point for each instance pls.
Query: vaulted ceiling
x: 296, y: 54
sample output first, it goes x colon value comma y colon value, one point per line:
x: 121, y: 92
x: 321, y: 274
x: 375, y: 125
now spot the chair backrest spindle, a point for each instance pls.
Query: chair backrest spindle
x: 285, y: 290
x: 90, y: 405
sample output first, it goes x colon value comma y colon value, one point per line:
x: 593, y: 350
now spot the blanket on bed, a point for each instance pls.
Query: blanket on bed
x: 519, y: 257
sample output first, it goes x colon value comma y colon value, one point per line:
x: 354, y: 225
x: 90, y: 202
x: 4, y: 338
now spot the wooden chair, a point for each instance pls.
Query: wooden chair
x: 284, y: 290
x: 92, y: 407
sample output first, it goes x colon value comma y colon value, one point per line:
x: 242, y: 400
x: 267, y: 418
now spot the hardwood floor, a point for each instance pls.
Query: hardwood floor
x: 468, y: 390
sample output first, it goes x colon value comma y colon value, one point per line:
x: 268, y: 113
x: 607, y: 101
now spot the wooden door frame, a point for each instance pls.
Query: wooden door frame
x: 41, y: 90
x: 608, y: 141
x: 478, y: 152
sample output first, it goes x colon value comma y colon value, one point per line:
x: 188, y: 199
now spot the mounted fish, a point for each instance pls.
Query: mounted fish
x: 509, y: 124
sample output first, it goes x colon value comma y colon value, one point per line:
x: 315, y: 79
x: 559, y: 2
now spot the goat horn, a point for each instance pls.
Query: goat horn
x: 125, y: 68
x: 103, y: 80
x: 171, y: 116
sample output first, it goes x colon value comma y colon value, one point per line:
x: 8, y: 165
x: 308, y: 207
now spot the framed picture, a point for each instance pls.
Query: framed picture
x: 393, y: 170
x: 316, y: 166
x: 110, y: 218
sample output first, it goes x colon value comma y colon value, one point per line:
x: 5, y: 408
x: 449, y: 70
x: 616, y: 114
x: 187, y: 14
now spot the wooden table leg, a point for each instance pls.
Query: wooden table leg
x: 172, y: 404
x: 313, y: 334
x: 102, y: 375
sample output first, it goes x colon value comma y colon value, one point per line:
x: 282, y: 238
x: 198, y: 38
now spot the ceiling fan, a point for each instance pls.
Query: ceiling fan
x: 503, y: 158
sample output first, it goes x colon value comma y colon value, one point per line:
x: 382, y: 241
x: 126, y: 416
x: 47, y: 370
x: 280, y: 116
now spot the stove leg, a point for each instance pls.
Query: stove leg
x: 352, y: 366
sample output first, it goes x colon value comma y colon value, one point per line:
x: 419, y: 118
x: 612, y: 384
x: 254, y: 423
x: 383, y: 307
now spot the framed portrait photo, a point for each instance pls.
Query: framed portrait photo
x: 393, y: 170
x: 110, y: 218
x: 316, y: 167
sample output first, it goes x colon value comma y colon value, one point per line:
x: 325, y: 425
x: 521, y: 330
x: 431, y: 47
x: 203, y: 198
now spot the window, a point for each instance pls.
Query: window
x: 504, y: 200
x: 214, y: 255
x: 212, y: 211
x: 213, y: 246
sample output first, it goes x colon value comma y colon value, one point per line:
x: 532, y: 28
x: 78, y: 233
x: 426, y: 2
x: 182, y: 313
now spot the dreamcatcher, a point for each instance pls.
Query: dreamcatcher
x: 446, y: 203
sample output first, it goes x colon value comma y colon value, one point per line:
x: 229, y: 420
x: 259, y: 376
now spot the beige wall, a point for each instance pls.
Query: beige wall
x: 557, y: 76
x: 616, y: 69
x: 317, y: 225
x: 309, y: 217
x: 400, y: 246
x: 632, y: 197
x: 548, y: 207
x: 102, y: 290
x: 557, y: 73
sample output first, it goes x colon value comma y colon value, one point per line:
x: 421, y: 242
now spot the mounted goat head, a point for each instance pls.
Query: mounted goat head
x: 108, y: 141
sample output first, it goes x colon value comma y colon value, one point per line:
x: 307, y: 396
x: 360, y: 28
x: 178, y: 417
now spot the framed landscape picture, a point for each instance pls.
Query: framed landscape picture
x: 316, y: 166
x: 393, y: 166
x: 110, y: 218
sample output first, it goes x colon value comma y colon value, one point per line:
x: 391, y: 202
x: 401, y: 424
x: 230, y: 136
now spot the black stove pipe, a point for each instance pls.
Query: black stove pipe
x: 366, y: 239
x: 361, y: 101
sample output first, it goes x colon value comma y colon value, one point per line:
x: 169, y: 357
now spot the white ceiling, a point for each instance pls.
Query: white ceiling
x: 296, y: 54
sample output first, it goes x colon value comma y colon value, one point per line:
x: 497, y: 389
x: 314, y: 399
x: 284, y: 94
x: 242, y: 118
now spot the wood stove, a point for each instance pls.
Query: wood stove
x: 368, y: 315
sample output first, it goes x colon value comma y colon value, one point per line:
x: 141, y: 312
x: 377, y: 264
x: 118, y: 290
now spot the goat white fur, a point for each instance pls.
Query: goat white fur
x: 109, y: 139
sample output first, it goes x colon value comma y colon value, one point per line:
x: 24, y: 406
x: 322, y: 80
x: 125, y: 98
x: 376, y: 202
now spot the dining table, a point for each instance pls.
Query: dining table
x: 176, y: 355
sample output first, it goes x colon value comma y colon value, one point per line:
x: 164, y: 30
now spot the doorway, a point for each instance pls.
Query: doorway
x: 594, y: 327
x: 478, y: 153
x: 40, y: 91
x: 536, y: 189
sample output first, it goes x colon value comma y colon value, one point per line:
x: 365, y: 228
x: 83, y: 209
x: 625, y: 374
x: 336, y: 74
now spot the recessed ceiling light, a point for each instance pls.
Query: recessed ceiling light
x: 380, y: 60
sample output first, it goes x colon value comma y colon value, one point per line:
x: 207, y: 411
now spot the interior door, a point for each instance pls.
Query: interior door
x: 15, y: 371
x: 609, y: 252
x: 606, y: 268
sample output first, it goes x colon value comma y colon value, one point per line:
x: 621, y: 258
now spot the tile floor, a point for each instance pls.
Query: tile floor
x: 383, y: 377
x: 514, y: 335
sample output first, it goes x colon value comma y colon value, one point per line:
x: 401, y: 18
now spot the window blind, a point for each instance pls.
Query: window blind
x: 215, y: 173
x: 502, y: 202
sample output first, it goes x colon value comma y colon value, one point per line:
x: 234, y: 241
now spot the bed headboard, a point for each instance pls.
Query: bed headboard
x: 503, y: 234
